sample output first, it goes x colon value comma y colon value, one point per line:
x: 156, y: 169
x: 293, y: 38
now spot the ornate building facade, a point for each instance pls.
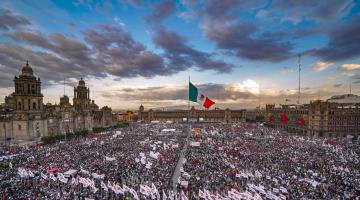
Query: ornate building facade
x: 27, y: 118
x: 194, y: 115
x: 293, y: 118
x: 336, y: 117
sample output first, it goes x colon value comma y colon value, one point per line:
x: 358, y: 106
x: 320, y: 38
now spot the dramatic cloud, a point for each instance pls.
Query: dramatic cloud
x: 239, y: 39
x: 221, y: 92
x: 350, y: 67
x: 161, y: 10
x: 8, y: 20
x: 343, y: 42
x: 297, y: 11
x: 106, y: 50
x: 237, y: 95
x: 122, y: 56
x: 46, y: 65
x: 181, y: 55
x: 221, y: 24
x: 320, y: 66
x: 228, y: 9
x: 66, y: 47
x: 351, y: 70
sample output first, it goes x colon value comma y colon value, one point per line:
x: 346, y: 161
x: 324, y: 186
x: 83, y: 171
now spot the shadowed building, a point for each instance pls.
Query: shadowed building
x: 334, y: 119
x: 339, y: 116
x: 25, y: 117
x: 194, y: 115
x: 28, y: 119
x: 293, y: 118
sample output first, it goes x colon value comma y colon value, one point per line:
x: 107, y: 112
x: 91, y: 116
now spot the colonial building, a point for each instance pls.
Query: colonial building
x: 293, y: 118
x: 194, y: 115
x: 125, y: 116
x: 25, y: 117
x: 339, y: 116
x: 255, y: 115
x: 334, y: 119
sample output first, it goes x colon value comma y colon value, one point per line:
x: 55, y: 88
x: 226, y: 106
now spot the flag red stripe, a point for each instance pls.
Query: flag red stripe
x: 208, y: 103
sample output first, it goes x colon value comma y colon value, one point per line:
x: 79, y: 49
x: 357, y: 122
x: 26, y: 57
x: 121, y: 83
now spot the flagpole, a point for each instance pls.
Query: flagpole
x: 189, y: 94
x: 189, y: 100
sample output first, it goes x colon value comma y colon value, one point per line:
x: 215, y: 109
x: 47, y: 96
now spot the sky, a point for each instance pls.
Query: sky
x: 240, y: 53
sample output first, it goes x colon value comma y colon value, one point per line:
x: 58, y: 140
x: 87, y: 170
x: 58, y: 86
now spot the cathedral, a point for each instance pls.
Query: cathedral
x: 25, y: 117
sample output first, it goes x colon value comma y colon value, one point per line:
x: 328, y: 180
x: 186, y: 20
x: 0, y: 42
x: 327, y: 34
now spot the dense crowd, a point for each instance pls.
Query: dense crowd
x: 128, y: 157
x: 252, y: 161
x: 217, y: 161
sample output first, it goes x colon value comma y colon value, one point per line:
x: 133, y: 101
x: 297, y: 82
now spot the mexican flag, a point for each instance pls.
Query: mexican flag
x: 196, y: 96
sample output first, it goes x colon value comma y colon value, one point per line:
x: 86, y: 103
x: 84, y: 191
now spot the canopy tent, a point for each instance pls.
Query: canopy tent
x: 168, y: 130
x: 195, y: 144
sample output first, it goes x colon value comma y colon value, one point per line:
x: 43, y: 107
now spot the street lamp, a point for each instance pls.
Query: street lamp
x: 5, y: 132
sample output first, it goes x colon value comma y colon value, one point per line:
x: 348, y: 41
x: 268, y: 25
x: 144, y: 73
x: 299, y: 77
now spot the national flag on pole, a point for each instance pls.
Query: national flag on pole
x: 197, y: 96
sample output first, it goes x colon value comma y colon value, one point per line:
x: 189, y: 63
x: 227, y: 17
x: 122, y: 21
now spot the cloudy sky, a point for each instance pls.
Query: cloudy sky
x: 241, y: 53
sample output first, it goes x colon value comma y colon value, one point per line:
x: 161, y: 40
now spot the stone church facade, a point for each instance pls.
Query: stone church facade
x: 25, y: 117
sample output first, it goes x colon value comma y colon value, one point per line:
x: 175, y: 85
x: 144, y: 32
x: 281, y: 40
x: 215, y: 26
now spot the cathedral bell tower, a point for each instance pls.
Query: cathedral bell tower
x: 27, y: 95
x: 81, y: 98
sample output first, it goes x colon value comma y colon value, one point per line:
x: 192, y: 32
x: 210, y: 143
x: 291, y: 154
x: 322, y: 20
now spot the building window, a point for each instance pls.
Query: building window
x: 19, y: 127
x: 34, y: 106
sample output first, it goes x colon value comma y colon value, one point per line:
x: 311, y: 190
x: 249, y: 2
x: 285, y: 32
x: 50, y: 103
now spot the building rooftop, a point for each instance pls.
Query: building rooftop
x: 345, y: 98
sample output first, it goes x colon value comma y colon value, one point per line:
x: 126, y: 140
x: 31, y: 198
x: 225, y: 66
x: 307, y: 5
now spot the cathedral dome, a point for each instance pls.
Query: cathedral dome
x: 27, y: 70
x: 141, y: 108
x: 81, y: 82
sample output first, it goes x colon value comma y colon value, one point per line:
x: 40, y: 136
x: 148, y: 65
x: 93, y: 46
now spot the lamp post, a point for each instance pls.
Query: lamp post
x: 4, y: 126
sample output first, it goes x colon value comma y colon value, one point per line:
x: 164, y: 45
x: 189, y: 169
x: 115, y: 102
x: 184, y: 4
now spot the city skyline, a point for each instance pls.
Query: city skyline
x: 241, y: 53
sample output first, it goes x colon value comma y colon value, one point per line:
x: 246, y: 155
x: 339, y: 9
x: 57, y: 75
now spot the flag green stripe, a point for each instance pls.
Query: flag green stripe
x: 193, y: 92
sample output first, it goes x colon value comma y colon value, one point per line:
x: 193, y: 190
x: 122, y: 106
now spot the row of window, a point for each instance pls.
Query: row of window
x: 30, y: 89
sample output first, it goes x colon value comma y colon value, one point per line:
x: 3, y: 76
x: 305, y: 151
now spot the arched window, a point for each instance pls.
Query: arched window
x: 34, y: 106
x: 19, y: 106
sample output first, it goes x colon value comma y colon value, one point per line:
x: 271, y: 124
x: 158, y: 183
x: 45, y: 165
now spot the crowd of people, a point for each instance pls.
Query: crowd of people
x: 215, y: 161
x: 138, y: 155
x: 252, y: 161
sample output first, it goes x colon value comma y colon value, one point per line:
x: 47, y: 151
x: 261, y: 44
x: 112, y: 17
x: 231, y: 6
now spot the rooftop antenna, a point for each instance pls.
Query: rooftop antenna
x: 259, y: 98
x: 64, y: 86
x: 299, y: 61
x: 350, y: 86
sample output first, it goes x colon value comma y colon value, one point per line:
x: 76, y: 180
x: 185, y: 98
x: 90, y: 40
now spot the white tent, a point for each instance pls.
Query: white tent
x: 195, y: 144
x: 168, y: 130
